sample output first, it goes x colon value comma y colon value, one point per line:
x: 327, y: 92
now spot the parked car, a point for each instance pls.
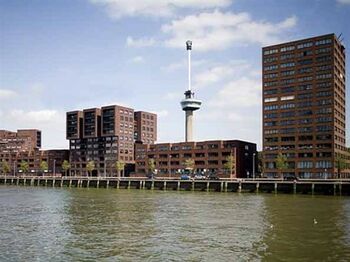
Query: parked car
x: 213, y: 177
x: 200, y: 177
x: 185, y: 177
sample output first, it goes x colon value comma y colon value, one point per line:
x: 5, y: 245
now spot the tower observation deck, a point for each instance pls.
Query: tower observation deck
x: 189, y: 104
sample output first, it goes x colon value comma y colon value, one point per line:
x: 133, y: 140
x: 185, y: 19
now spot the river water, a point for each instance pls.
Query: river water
x: 79, y: 224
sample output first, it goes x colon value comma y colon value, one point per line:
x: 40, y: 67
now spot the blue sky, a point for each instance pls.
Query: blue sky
x: 62, y: 55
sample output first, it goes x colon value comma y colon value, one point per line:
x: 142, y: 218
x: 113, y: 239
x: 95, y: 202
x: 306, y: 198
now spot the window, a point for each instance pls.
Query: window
x: 270, y: 92
x: 324, y: 76
x: 305, y: 129
x: 287, y: 73
x: 271, y: 99
x: 270, y: 83
x: 305, y: 62
x: 323, y: 42
x: 284, y: 98
x: 324, y: 128
x: 287, y: 130
x: 273, y: 75
x: 305, y: 112
x: 304, y: 45
x: 287, y: 138
x: 271, y: 139
x: 306, y: 78
x: 305, y: 87
x: 286, y: 106
x: 274, y: 107
x: 271, y: 67
x: 288, y: 89
x: 270, y: 59
x: 305, y: 164
x: 270, y: 123
x: 287, y: 114
x: 324, y: 110
x: 305, y: 121
x: 287, y: 122
x: 323, y: 50
x: 271, y: 51
x: 271, y: 115
x: 287, y: 65
x: 287, y: 56
x: 304, y: 104
x: 287, y: 48
x: 305, y: 96
x: 305, y: 70
x: 323, y: 164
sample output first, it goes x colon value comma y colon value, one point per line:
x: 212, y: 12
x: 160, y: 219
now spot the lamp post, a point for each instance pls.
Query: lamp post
x: 253, y: 165
x: 14, y: 168
x: 54, y: 167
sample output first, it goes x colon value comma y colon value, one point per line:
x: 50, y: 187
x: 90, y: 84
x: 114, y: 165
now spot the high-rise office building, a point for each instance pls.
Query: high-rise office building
x: 145, y: 127
x: 304, y: 108
x: 105, y: 135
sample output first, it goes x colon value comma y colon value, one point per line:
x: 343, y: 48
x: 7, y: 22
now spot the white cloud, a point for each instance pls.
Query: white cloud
x: 345, y: 2
x: 41, y: 116
x: 141, y: 42
x: 50, y: 122
x: 6, y: 94
x: 137, y: 60
x: 155, y: 8
x: 218, y: 30
x: 243, y: 92
x: 162, y: 113
x: 219, y: 73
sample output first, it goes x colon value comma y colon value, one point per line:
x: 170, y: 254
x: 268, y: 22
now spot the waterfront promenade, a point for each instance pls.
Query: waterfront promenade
x: 314, y: 187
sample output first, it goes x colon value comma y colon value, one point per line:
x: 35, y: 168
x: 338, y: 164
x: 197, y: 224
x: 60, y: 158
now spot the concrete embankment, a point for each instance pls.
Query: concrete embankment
x: 331, y: 187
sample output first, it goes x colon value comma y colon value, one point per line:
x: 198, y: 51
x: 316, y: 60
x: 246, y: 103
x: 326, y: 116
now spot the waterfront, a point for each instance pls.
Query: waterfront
x: 71, y: 224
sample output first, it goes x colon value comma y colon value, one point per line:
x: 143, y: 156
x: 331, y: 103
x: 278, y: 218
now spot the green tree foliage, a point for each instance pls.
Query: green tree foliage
x: 65, y: 166
x: 5, y: 167
x: 90, y: 167
x: 340, y: 164
x: 44, y: 166
x: 230, y: 164
x: 24, y: 166
x: 189, y: 164
x: 151, y: 165
x: 281, y: 162
x: 119, y: 167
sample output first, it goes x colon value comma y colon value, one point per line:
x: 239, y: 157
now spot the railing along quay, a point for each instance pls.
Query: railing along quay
x: 314, y: 187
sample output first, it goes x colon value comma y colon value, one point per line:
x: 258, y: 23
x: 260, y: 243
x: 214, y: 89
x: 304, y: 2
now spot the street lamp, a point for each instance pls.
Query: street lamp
x: 54, y: 167
x: 253, y: 165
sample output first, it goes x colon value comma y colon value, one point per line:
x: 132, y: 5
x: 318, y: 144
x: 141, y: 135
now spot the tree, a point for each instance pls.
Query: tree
x: 189, y: 164
x: 230, y: 164
x: 151, y: 166
x: 65, y: 166
x: 90, y: 167
x: 5, y: 167
x: 260, y: 163
x: 44, y: 166
x: 281, y: 163
x: 119, y: 166
x: 24, y: 166
x: 340, y: 164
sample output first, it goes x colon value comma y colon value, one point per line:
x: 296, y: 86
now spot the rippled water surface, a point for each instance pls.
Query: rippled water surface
x: 46, y: 224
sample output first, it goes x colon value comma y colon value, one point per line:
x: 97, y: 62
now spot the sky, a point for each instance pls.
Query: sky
x: 63, y: 55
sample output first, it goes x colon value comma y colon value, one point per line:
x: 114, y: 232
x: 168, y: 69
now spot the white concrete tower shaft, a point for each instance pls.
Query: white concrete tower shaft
x: 189, y: 104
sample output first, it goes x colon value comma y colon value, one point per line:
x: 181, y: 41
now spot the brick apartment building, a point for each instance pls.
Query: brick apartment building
x: 24, y: 145
x: 106, y: 135
x: 209, y: 157
x: 304, y: 107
